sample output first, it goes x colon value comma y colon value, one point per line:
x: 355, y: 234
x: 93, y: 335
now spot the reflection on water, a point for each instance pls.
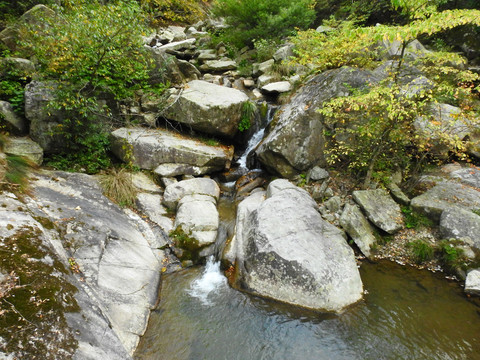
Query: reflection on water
x: 407, y: 314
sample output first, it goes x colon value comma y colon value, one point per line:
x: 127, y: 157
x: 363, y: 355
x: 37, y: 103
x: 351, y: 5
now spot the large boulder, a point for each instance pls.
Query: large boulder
x: 458, y: 223
x: 209, y: 108
x: 443, y: 196
x: 18, y: 67
x: 287, y: 252
x: 358, y: 228
x: 168, y: 153
x: 380, y: 209
x: 296, y: 143
x: 472, y: 282
x: 200, y: 186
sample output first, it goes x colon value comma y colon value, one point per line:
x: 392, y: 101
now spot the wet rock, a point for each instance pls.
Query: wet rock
x: 358, y: 228
x: 316, y: 270
x: 472, y: 283
x: 153, y: 148
x: 458, y: 223
x: 208, y: 108
x: 24, y: 146
x: 380, y: 209
x: 202, y: 186
x: 443, y: 196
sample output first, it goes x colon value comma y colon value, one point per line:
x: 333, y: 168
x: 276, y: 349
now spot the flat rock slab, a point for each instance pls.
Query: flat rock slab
x: 458, y: 223
x: 446, y: 195
x: 152, y: 148
x: 209, y: 108
x: 468, y: 176
x: 292, y: 255
x: 472, y: 283
x: 277, y: 87
x: 358, y: 228
x: 218, y: 65
x: 380, y: 209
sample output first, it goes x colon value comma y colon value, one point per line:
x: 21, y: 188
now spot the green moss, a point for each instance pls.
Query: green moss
x: 46, y: 223
x: 187, y: 243
x: 34, y: 297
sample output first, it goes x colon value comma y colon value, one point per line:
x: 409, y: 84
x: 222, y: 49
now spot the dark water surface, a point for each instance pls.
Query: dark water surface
x: 407, y: 314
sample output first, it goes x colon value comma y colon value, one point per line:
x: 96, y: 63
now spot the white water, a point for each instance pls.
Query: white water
x: 210, y: 282
x: 255, y: 140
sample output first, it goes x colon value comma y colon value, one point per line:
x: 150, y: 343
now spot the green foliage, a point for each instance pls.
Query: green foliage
x: 94, y: 51
x: 265, y: 48
x: 262, y: 19
x: 414, y: 220
x: 451, y: 256
x: 184, y: 241
x: 421, y: 250
x: 117, y: 185
x: 13, y: 92
x: 174, y: 11
x: 248, y: 114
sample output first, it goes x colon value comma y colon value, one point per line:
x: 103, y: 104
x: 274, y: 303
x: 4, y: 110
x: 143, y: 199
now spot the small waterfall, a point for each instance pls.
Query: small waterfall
x: 256, y: 138
x: 210, y: 282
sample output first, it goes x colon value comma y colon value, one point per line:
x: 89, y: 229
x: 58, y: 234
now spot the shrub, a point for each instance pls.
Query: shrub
x: 262, y: 19
x: 450, y: 255
x: 173, y: 11
x: 117, y: 185
x: 248, y: 114
x: 421, y: 250
x: 414, y: 220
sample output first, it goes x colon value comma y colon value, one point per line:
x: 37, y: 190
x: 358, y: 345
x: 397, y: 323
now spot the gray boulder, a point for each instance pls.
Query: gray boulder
x: 358, y: 228
x: 151, y: 205
x: 472, y: 282
x: 154, y: 148
x: 9, y: 118
x: 443, y: 196
x: 296, y: 143
x: 277, y: 87
x: 200, y: 186
x: 17, y: 67
x: 178, y: 45
x: 262, y: 68
x: 209, y: 108
x: 393, y: 49
x: 380, y: 209
x: 468, y: 176
x: 26, y: 147
x: 216, y: 66
x: 288, y: 253
x: 284, y: 53
x: 169, y: 68
x: 458, y: 223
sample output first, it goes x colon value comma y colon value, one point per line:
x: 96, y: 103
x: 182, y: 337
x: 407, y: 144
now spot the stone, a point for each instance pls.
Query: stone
x: 209, y: 54
x: 150, y: 148
x: 265, y: 79
x: 189, y: 71
x: 197, y: 216
x: 358, y: 228
x: 11, y: 119
x: 202, y: 186
x: 443, y: 119
x: 263, y: 68
x: 248, y: 83
x: 277, y: 87
x: 178, y: 32
x: 168, y: 68
x: 177, y: 45
x: 208, y: 108
x: 458, y: 223
x: 334, y: 204
x: 324, y: 29
x: 24, y: 146
x: 393, y: 49
x: 317, y: 174
x: 290, y: 254
x: 397, y: 194
x: 22, y: 68
x: 472, y: 282
x: 284, y: 53
x: 145, y: 183
x: 443, y: 196
x: 468, y: 176
x: 380, y: 209
x: 217, y: 66
x: 296, y: 143
x: 151, y: 205
x: 173, y: 169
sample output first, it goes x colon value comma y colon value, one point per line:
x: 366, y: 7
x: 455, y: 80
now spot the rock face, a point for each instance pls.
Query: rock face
x: 208, y: 108
x: 458, y: 223
x: 24, y: 147
x: 13, y: 121
x: 113, y: 253
x: 443, y: 196
x: 286, y: 252
x: 296, y: 143
x: 358, y: 228
x: 380, y: 209
x: 167, y: 153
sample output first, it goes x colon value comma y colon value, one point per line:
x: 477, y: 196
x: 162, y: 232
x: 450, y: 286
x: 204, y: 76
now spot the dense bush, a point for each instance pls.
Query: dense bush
x: 94, y: 51
x: 263, y: 19
x: 175, y: 11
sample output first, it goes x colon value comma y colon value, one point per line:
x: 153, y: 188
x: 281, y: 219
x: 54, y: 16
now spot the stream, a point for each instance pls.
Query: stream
x: 406, y: 314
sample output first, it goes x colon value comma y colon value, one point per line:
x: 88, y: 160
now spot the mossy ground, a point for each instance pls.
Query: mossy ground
x: 34, y: 296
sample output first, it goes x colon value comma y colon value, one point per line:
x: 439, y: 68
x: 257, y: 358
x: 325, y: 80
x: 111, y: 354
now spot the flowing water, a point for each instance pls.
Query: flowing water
x: 406, y: 314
